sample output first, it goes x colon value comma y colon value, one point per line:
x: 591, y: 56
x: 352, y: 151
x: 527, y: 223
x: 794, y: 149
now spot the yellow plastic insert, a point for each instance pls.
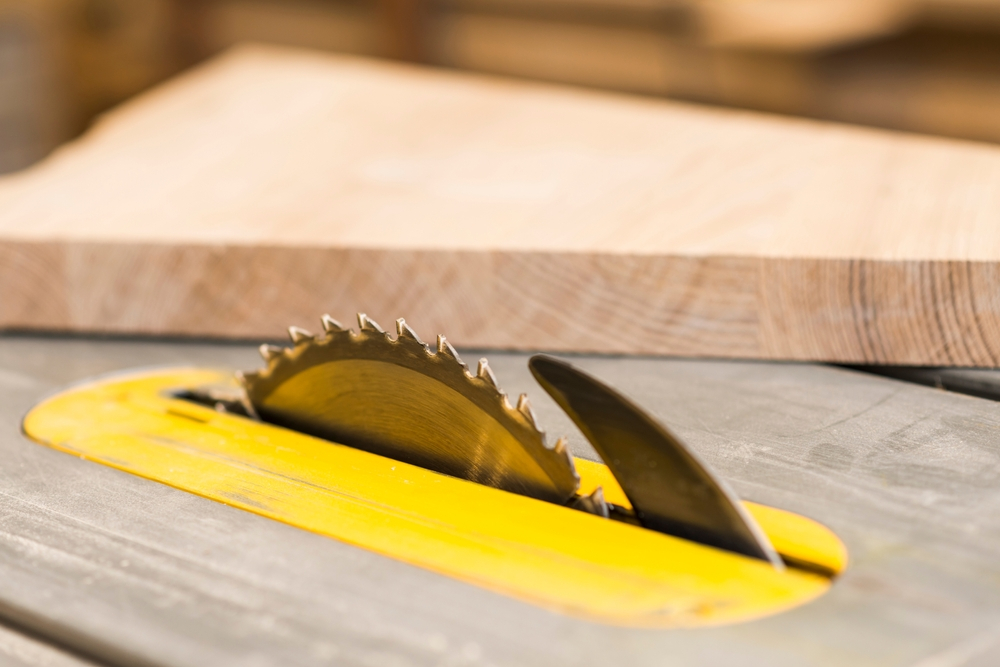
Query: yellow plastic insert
x: 561, y: 559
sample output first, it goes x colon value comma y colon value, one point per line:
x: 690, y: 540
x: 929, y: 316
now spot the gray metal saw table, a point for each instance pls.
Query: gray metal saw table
x: 101, y: 567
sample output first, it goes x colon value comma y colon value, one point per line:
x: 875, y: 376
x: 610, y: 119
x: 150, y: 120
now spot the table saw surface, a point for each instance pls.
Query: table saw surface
x: 99, y: 566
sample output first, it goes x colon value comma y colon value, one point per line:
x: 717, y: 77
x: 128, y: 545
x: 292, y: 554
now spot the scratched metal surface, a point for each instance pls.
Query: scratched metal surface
x: 127, y: 571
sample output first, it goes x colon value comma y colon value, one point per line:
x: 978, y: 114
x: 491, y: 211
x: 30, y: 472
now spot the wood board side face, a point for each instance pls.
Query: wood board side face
x: 879, y: 312
x: 941, y: 313
x: 626, y: 304
x: 569, y: 302
x: 33, y: 285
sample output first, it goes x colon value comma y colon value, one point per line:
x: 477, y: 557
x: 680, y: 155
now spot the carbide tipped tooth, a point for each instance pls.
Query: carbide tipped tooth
x: 598, y: 504
x: 404, y: 332
x: 269, y: 352
x: 299, y: 335
x: 524, y: 407
x: 445, y: 350
x: 484, y: 372
x: 245, y: 377
x: 593, y: 504
x: 368, y: 324
x: 331, y: 325
x: 562, y: 450
x: 248, y: 406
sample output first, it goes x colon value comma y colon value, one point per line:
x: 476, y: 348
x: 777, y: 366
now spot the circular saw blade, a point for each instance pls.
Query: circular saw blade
x: 398, y: 398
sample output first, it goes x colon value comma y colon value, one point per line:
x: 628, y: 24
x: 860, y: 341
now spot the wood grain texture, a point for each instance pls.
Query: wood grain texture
x: 273, y: 185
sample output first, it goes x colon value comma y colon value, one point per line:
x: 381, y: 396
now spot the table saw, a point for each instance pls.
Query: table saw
x: 101, y: 566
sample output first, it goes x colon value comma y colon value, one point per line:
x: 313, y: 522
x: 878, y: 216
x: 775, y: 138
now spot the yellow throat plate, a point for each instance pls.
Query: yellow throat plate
x: 539, y: 552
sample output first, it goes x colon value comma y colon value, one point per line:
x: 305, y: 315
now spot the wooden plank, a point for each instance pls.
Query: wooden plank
x: 272, y: 185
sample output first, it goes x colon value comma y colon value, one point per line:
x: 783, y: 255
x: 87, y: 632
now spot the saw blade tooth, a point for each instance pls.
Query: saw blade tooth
x: 593, y: 504
x: 368, y: 324
x: 247, y: 377
x: 524, y: 407
x: 484, y: 372
x: 404, y: 332
x: 562, y: 450
x: 299, y: 335
x: 446, y: 351
x: 269, y: 352
x: 331, y: 325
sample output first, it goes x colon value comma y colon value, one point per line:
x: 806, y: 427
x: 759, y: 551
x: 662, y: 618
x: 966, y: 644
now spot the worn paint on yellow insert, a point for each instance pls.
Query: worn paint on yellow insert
x: 539, y: 552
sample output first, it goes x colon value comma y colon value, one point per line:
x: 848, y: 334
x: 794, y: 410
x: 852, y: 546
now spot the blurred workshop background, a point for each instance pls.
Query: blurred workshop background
x: 930, y: 66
